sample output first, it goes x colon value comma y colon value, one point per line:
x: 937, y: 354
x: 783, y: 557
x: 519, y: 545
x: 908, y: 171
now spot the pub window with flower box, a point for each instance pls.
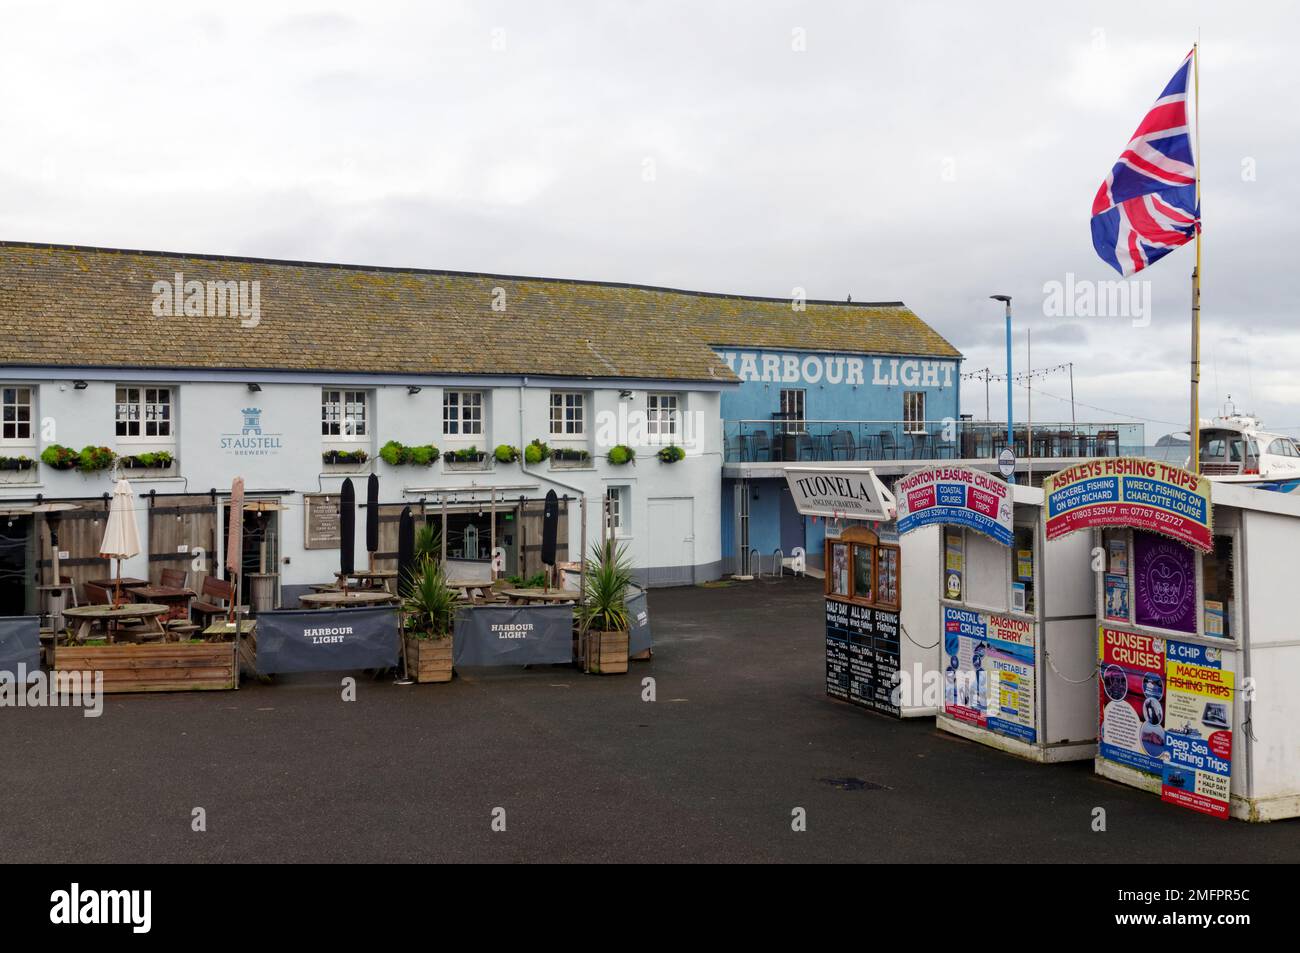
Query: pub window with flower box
x: 863, y: 570
x: 144, y: 414
x: 16, y: 416
x: 343, y: 415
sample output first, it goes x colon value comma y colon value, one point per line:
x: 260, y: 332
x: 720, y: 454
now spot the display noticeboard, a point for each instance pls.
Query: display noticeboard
x: 321, y: 521
x: 989, y: 673
x: 956, y: 496
x: 1130, y: 492
x: 1166, y: 710
x: 862, y: 655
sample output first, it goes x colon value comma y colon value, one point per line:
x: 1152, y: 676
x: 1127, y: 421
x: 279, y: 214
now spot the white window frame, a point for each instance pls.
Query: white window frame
x: 619, y: 496
x: 912, y: 423
x: 795, y: 419
x: 663, y: 416
x: 459, y: 416
x: 336, y: 409
x: 567, y: 408
x: 146, y: 412
x: 16, y: 441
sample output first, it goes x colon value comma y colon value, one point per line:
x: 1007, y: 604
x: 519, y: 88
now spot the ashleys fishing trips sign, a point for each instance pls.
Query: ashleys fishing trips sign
x: 1130, y: 492
x: 957, y: 496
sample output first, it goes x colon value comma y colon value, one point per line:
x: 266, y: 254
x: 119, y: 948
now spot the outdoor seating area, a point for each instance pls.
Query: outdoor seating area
x: 819, y: 441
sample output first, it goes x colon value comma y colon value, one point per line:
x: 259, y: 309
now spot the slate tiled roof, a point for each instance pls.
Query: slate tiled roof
x: 93, y: 307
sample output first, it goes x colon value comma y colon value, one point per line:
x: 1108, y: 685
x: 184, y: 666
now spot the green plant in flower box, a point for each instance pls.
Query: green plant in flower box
x: 92, y: 459
x: 536, y: 452
x: 620, y: 455
x: 506, y: 453
x: 671, y: 453
x: 59, y: 457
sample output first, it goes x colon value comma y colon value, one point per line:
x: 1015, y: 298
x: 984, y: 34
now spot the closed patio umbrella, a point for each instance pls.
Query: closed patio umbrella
x: 235, y: 541
x: 347, y: 528
x: 121, y: 535
x: 405, y: 551
x: 372, y: 518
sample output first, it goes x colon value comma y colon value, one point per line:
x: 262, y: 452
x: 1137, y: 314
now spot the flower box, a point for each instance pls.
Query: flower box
x: 155, y: 667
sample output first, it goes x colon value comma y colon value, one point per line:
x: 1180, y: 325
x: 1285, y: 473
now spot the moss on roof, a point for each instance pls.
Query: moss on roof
x: 92, y: 307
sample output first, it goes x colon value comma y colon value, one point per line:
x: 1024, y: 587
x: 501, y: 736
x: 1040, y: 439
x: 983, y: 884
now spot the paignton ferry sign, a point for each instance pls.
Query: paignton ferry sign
x: 1131, y: 492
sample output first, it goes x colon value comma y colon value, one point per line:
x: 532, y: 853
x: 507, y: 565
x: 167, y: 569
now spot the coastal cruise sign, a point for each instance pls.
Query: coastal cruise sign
x: 956, y: 496
x: 840, y: 493
x: 1131, y: 492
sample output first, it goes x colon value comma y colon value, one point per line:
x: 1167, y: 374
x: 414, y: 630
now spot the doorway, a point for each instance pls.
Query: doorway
x: 16, y: 565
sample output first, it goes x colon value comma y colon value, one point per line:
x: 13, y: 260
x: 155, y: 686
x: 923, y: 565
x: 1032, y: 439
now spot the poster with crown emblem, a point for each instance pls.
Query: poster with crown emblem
x: 1130, y: 492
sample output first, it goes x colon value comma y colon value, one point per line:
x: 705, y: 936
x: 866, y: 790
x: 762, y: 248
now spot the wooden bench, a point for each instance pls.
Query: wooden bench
x: 215, y: 589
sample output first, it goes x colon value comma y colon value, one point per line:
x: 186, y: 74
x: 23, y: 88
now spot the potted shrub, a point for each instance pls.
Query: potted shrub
x: 394, y: 454
x: 430, y: 608
x: 620, y: 455
x: 424, y: 455
x: 603, y: 611
x: 536, y: 452
x: 506, y: 453
x: 58, y: 457
x: 92, y: 459
x: 671, y: 453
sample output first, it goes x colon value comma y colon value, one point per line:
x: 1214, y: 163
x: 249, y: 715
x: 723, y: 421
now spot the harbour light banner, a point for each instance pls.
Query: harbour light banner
x: 955, y: 496
x: 1130, y: 492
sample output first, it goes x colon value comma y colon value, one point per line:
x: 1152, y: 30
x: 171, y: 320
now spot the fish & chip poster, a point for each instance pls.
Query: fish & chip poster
x: 1128, y: 491
x: 1166, y: 710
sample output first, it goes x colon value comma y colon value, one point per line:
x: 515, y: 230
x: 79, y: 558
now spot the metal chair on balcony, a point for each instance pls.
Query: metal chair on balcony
x: 1108, y: 443
x: 842, y: 445
x: 761, y: 446
x: 888, y: 446
x: 804, y: 448
x: 921, y: 446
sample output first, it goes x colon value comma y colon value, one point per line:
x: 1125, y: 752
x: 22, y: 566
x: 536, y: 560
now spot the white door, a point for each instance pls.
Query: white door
x: 671, y: 523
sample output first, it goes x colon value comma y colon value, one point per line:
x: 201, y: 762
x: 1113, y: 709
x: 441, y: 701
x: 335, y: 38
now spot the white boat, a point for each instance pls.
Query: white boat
x: 1236, y: 449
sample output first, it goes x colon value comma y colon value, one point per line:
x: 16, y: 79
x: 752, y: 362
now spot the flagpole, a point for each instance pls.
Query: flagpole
x: 1194, y: 432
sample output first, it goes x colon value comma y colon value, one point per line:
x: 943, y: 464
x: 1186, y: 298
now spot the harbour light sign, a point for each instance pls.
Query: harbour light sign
x: 955, y: 496
x: 840, y: 493
x: 1131, y: 492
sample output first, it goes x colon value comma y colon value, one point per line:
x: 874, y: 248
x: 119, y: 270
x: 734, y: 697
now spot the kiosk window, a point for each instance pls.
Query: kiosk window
x: 1116, y: 605
x: 862, y: 564
x: 1022, y: 570
x: 954, y: 562
x: 1217, y: 584
x: 838, y: 580
x: 887, y: 576
x: 987, y: 582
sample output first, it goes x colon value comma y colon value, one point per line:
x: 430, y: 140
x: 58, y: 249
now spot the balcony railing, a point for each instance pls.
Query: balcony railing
x: 814, y: 441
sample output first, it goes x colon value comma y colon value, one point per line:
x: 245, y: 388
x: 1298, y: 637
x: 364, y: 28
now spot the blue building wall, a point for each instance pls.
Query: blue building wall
x: 837, y: 386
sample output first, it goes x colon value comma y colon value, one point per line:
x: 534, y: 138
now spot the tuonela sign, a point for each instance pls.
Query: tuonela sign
x: 956, y: 496
x: 1131, y: 492
x: 840, y: 493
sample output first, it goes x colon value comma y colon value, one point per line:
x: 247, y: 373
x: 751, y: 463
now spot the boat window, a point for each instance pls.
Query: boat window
x: 1234, y: 451
x: 1215, y: 447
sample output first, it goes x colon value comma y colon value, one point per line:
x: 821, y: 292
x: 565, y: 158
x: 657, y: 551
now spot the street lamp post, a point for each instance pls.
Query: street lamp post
x: 1011, y: 444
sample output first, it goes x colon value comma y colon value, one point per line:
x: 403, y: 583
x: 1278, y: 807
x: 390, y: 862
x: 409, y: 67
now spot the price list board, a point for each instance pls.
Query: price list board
x: 862, y: 655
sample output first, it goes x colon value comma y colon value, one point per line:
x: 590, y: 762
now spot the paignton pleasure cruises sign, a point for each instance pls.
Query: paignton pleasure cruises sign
x: 957, y: 496
x: 1131, y: 492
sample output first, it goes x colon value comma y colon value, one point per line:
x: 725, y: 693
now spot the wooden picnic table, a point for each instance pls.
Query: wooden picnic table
x: 103, y: 616
x: 177, y: 599
x: 525, y: 597
x: 218, y: 631
x: 127, y: 582
x: 467, y: 586
x: 369, y: 578
x: 359, y: 597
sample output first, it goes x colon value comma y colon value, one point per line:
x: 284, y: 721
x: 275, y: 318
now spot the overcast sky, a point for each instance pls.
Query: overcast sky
x: 933, y: 153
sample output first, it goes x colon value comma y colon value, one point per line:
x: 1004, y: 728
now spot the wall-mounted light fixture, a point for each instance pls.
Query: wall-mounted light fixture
x: 254, y: 388
x: 625, y: 395
x: 414, y: 389
x: 80, y: 385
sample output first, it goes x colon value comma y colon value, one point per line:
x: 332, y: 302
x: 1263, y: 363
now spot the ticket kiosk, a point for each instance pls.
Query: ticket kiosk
x: 1011, y: 613
x: 868, y: 647
x: 1196, y: 652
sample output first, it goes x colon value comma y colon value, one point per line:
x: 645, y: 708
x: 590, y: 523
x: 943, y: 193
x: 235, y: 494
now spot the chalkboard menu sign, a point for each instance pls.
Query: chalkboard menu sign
x: 321, y: 521
x: 862, y: 655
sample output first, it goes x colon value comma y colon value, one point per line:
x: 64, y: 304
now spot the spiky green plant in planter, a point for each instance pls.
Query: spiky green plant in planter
x: 506, y: 453
x: 671, y: 453
x: 428, y: 543
x: 620, y: 455
x: 430, y: 610
x: 603, y: 609
x: 536, y: 452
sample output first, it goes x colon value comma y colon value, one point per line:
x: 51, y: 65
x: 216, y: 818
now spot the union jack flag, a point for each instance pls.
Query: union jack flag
x: 1147, y: 206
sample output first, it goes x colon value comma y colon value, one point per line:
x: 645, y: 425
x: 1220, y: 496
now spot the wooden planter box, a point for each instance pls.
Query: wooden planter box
x: 160, y: 667
x: 606, y: 652
x: 429, y: 660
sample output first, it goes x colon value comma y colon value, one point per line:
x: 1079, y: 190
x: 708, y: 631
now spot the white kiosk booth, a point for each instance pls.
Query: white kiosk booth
x: 869, y: 648
x: 1013, y: 613
x: 1197, y: 651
